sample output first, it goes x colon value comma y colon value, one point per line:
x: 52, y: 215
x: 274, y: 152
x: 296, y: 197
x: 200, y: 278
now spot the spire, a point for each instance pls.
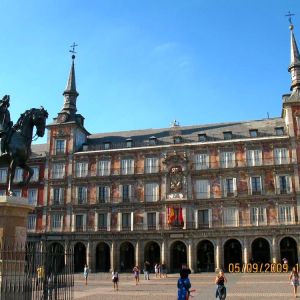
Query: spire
x: 70, y: 94
x: 294, y: 67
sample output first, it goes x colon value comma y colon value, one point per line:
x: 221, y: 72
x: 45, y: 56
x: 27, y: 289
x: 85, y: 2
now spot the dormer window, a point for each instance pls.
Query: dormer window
x: 129, y: 143
x: 253, y: 133
x: 279, y: 131
x: 202, y: 137
x: 107, y: 145
x: 177, y: 139
x: 152, y: 140
x: 227, y: 135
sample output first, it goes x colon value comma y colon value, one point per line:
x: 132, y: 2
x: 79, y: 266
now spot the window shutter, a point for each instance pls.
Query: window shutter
x: 107, y: 193
x: 277, y: 184
x: 130, y: 192
x: 84, y: 222
x: 156, y: 192
x: 250, y: 188
x: 289, y: 183
x: 265, y: 215
x: 52, y: 194
x: 224, y: 187
x: 120, y: 192
x: 210, y: 217
x: 234, y: 186
x: 61, y: 195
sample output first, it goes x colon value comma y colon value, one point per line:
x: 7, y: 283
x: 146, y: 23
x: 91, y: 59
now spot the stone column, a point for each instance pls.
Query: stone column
x: 274, y: 250
x: 137, y: 253
x: 218, y: 254
x: 245, y: 251
x: 163, y: 254
x: 113, y: 257
x: 190, y: 260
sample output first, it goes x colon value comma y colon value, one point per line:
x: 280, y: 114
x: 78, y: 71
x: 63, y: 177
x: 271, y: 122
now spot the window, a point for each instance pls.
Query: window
x: 3, y: 175
x: 230, y: 216
x: 151, y: 165
x: 103, y: 194
x: 32, y: 196
x: 79, y: 222
x: 126, y: 221
x: 60, y: 146
x: 253, y: 133
x: 2, y: 192
x: 81, y: 169
x: 202, y: 137
x: 103, y: 167
x: 129, y: 143
x: 203, y: 221
x: 283, y: 184
x: 229, y: 186
x: 126, y: 192
x: 227, y: 159
x: 127, y: 166
x: 227, y: 135
x: 35, y: 176
x: 57, y: 196
x: 201, y: 161
x: 258, y: 216
x: 177, y: 139
x: 202, y: 189
x: 18, y: 175
x: 255, y: 184
x: 279, y: 131
x: 286, y: 215
x: 151, y: 192
x: 281, y: 156
x: 81, y: 195
x: 56, y: 222
x: 254, y: 157
x: 151, y: 220
x: 58, y: 170
x: 31, y: 222
x: 17, y: 193
x: 152, y: 141
x: 102, y: 221
x: 107, y: 145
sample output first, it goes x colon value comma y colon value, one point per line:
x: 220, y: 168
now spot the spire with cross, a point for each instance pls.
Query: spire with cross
x: 289, y: 14
x: 73, y: 50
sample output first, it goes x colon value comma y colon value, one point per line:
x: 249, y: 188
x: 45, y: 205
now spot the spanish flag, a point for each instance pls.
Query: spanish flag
x: 180, y: 217
x: 171, y: 215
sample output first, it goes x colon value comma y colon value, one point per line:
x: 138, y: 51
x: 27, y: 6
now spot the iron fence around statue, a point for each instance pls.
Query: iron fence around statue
x: 36, y: 271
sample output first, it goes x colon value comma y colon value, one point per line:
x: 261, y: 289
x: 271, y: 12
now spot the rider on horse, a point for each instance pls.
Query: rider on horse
x: 5, y: 123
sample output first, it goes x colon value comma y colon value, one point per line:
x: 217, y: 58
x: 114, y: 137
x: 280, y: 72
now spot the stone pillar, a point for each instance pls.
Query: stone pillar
x: 163, y: 254
x: 245, y: 251
x: 218, y: 254
x: 190, y: 258
x: 274, y: 250
x: 113, y: 257
x: 137, y: 253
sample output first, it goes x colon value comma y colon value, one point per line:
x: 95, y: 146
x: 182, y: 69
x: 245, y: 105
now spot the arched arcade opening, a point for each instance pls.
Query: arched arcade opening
x: 205, y: 257
x: 232, y: 253
x: 126, y: 257
x: 178, y: 256
x: 102, y: 257
x: 79, y: 257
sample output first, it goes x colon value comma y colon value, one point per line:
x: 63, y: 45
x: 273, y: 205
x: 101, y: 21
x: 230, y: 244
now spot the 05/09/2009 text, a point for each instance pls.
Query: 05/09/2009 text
x: 259, y: 267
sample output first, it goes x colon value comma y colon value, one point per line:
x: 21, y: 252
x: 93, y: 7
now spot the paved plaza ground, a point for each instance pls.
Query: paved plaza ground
x: 240, y: 286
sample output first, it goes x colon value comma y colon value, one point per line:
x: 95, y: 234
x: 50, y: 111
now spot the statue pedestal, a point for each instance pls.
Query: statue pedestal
x: 14, y: 283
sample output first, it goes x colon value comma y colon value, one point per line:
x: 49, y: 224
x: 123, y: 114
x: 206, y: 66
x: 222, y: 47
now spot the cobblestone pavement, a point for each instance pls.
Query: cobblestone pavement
x: 240, y: 286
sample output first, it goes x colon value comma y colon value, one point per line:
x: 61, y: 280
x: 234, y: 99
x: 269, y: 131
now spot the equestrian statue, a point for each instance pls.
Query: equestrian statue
x: 16, y: 139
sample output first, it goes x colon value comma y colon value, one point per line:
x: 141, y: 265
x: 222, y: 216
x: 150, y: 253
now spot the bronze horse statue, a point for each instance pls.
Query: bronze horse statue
x: 18, y: 143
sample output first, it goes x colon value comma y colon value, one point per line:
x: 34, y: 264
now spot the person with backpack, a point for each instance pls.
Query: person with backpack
x: 221, y: 289
x: 115, y: 279
x: 183, y: 285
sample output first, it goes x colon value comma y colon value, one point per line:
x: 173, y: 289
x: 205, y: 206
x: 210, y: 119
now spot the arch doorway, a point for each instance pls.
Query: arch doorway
x: 288, y: 250
x: 126, y: 257
x: 79, y: 257
x: 55, y: 258
x: 152, y: 253
x: 102, y: 257
x: 260, y: 250
x: 205, y: 257
x: 232, y: 253
x: 178, y: 256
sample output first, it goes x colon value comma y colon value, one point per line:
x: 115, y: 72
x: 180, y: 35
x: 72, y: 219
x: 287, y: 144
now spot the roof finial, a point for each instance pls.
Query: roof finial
x: 289, y: 14
x: 73, y: 50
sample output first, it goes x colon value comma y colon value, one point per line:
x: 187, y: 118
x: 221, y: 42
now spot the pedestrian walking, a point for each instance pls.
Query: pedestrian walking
x: 86, y: 273
x: 163, y: 270
x: 115, y: 279
x: 136, y: 273
x: 146, y: 270
x: 156, y: 270
x: 294, y: 280
x: 183, y: 285
x: 221, y: 289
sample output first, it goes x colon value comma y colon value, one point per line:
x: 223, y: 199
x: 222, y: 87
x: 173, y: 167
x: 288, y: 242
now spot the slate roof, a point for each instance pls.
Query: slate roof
x: 189, y: 134
x: 38, y: 150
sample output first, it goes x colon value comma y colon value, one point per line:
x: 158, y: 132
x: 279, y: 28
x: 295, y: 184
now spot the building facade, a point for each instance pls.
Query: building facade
x: 211, y: 196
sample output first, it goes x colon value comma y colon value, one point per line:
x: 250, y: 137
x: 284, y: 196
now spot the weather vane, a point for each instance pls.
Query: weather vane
x: 73, y: 50
x: 289, y: 14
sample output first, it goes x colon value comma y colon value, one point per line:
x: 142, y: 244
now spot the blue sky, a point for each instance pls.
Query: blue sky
x: 141, y: 63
